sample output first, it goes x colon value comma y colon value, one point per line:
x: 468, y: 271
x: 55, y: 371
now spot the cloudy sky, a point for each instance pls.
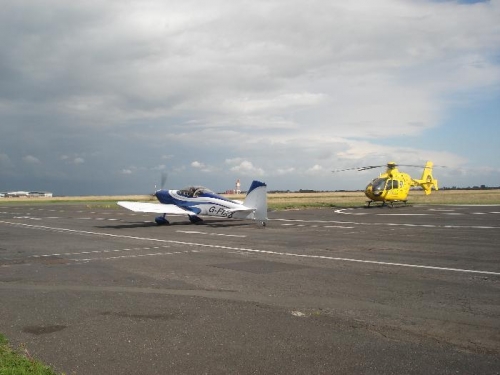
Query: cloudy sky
x: 102, y: 97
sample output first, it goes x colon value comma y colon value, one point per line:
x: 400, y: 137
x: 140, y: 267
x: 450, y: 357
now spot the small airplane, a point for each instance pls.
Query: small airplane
x: 198, y: 200
x: 393, y: 185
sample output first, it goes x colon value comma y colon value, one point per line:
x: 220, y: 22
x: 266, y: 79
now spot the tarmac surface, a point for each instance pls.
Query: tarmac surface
x: 101, y: 290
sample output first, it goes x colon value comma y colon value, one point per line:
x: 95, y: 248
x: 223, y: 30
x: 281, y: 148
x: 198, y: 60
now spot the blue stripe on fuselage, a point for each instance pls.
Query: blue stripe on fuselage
x: 192, y: 204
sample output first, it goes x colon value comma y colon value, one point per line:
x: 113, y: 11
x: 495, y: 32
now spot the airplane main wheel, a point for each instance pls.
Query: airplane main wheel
x: 195, y: 219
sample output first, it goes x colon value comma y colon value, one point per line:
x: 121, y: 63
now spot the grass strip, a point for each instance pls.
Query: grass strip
x: 20, y: 362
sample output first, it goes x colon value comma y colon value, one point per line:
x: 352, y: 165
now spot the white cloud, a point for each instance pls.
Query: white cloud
x: 316, y: 169
x: 203, y: 167
x: 283, y: 171
x: 30, y: 159
x: 197, y: 164
x: 289, y: 85
x: 245, y: 168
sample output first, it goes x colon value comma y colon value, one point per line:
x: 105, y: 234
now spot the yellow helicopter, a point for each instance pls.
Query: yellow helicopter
x: 394, y: 186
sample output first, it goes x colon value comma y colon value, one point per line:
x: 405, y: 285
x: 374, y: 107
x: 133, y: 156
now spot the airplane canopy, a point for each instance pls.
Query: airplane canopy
x: 194, y: 191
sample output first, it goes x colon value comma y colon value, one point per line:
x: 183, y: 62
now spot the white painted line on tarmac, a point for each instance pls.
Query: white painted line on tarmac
x: 292, y: 222
x: 402, y: 214
x: 342, y: 211
x: 337, y: 226
x: 132, y: 256
x: 210, y: 234
x: 267, y: 252
x: 97, y: 252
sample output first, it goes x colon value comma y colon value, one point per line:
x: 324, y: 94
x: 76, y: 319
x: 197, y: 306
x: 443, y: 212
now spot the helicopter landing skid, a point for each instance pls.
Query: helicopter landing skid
x: 390, y: 204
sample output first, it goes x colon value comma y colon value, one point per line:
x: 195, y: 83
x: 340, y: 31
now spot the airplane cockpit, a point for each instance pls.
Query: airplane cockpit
x: 194, y: 191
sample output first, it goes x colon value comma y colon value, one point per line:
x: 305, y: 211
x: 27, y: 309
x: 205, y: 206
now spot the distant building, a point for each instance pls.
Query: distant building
x: 40, y: 194
x: 25, y: 194
x: 237, y: 189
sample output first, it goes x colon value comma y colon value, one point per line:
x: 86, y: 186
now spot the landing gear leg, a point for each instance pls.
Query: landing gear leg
x: 162, y: 220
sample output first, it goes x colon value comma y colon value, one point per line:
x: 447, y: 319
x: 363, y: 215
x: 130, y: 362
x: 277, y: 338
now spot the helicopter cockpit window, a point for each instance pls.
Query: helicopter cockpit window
x: 378, y: 184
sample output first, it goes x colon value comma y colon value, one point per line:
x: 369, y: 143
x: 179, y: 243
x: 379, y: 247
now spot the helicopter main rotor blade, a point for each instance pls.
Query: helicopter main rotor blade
x: 359, y: 169
x: 419, y: 166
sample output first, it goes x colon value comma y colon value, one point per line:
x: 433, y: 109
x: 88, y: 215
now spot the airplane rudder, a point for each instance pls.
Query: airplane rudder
x: 257, y: 199
x: 256, y: 184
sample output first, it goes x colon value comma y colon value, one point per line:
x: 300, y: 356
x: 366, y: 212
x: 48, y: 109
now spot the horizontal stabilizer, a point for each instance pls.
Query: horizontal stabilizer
x: 242, y: 213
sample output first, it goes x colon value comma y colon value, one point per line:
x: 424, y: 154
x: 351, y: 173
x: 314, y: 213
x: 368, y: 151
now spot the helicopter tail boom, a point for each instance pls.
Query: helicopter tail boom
x: 427, y: 182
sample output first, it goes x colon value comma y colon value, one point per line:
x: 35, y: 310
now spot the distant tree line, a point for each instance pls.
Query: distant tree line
x: 480, y: 187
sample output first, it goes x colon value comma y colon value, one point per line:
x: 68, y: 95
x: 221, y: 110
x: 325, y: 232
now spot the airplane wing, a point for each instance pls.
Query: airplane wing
x: 158, y: 208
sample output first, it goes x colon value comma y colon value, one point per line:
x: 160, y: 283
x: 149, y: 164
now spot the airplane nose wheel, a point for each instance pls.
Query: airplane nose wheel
x: 161, y: 220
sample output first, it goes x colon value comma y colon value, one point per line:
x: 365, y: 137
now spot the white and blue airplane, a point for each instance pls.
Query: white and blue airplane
x: 198, y: 200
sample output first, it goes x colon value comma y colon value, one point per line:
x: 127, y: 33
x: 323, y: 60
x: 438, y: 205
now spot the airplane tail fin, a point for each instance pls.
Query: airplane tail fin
x: 257, y: 198
x: 427, y: 182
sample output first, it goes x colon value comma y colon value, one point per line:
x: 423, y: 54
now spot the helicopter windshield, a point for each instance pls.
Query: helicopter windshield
x: 378, y: 184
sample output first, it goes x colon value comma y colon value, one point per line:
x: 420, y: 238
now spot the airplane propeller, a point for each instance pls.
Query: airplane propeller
x: 164, y: 177
x: 163, y: 182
